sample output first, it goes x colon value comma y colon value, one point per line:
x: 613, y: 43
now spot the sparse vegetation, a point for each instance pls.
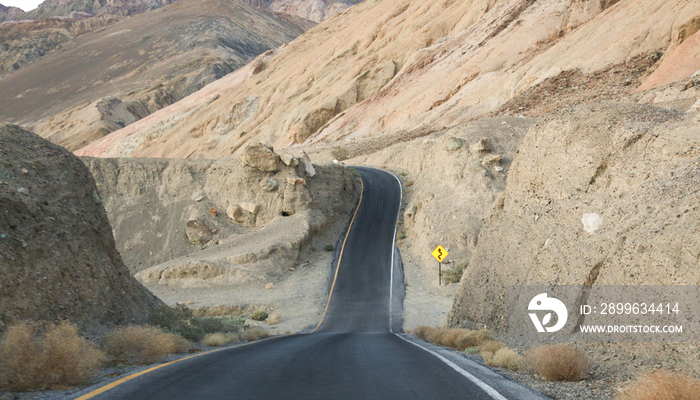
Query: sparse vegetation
x: 259, y: 316
x: 141, y: 344
x: 274, y: 318
x: 217, y: 311
x: 329, y: 247
x: 401, y: 235
x: 57, y: 359
x: 219, y: 339
x: 495, y: 354
x: 503, y: 358
x: 254, y: 333
x: 557, y: 362
x: 459, y: 339
x: 454, y: 275
x: 661, y: 384
x: 181, y: 320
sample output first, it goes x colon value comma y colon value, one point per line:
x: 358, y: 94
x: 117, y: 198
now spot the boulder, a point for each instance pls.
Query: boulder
x: 453, y: 144
x: 269, y: 184
x: 198, y: 232
x: 308, y: 166
x: 262, y: 158
x: 252, y: 208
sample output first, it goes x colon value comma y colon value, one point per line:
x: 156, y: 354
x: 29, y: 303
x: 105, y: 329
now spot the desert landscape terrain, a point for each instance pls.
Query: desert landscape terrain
x: 216, y: 156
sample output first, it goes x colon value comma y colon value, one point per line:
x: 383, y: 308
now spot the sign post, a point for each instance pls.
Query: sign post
x: 440, y: 253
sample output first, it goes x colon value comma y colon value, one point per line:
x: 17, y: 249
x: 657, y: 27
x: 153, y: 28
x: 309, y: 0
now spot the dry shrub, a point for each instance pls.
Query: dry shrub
x: 142, y: 344
x: 274, y: 318
x: 469, y: 338
x: 217, y: 311
x: 459, y: 339
x: 421, y: 331
x: 491, y: 346
x: 219, y: 339
x: 558, y: 362
x: 504, y: 358
x: 58, y: 359
x: 254, y: 333
x: 661, y: 384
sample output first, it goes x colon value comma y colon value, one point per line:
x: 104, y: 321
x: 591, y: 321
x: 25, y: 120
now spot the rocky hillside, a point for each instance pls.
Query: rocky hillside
x: 633, y: 168
x: 9, y: 13
x: 88, y: 8
x: 57, y: 254
x: 418, y: 66
x: 315, y: 10
x: 219, y: 221
x: 108, y: 78
x: 26, y: 42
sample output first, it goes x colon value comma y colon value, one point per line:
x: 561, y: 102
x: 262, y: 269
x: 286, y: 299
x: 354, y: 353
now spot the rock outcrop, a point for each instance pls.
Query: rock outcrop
x: 314, y: 10
x: 159, y: 207
x: 58, y: 259
x: 10, y: 13
x: 602, y: 194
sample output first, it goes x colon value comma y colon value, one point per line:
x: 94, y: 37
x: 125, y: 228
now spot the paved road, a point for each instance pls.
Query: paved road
x: 352, y: 354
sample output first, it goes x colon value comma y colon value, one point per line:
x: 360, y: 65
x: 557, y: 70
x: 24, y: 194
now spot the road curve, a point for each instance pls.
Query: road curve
x: 352, y: 354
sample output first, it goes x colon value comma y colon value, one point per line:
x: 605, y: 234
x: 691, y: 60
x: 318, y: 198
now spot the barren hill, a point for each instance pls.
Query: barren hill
x: 108, y: 78
x: 9, y: 13
x: 315, y: 10
x: 26, y: 42
x: 84, y: 8
x: 424, y: 65
x: 58, y: 259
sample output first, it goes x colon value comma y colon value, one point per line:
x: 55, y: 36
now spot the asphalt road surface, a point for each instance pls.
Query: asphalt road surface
x: 354, y: 353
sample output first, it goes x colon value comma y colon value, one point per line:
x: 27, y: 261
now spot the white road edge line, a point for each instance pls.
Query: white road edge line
x: 393, y: 252
x: 478, y: 382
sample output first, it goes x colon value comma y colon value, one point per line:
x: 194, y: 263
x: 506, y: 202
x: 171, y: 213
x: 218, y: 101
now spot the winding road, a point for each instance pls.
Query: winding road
x: 357, y: 351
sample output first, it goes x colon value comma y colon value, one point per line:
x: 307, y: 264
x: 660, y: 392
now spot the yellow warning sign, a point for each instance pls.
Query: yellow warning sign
x: 440, y: 253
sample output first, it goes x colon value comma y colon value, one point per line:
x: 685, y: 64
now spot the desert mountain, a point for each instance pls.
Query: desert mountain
x: 106, y: 79
x: 417, y: 66
x: 85, y: 8
x: 26, y: 42
x: 315, y: 10
x: 9, y: 13
x: 58, y: 259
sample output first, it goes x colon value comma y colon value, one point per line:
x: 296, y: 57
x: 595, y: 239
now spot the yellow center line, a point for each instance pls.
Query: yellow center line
x: 340, y: 257
x: 137, y: 374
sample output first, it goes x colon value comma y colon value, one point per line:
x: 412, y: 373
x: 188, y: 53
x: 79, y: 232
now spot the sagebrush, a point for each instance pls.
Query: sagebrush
x: 661, y: 384
x: 56, y: 359
x: 219, y: 339
x: 558, y: 362
x: 254, y: 333
x: 141, y: 344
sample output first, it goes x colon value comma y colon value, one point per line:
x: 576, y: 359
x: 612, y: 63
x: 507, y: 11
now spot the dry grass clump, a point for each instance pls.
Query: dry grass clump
x: 219, y: 339
x: 142, y: 344
x: 254, y: 333
x: 217, y: 311
x: 503, y: 358
x: 459, y: 339
x: 661, y: 384
x: 274, y: 318
x: 57, y: 359
x: 558, y: 362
